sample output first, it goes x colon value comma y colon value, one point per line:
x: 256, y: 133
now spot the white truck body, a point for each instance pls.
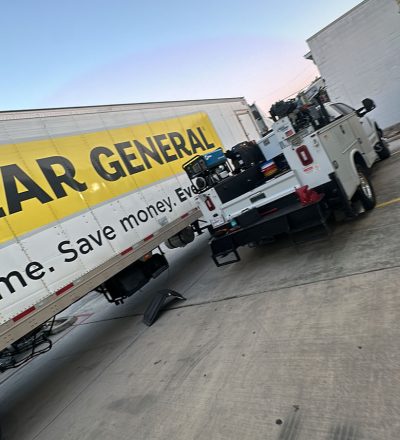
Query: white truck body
x: 359, y: 54
x: 332, y: 150
x: 87, y: 191
x: 320, y: 168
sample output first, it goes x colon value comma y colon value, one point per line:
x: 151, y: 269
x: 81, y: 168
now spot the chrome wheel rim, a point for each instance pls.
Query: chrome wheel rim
x: 365, y: 186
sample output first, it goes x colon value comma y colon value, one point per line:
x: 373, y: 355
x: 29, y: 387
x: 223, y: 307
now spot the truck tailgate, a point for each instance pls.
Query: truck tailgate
x: 272, y: 190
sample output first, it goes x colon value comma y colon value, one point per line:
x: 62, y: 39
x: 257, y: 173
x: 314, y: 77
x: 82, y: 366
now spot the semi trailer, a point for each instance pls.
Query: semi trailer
x: 87, y: 197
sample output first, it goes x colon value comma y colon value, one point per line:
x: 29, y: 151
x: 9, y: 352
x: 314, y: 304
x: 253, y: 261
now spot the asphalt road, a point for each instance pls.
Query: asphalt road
x: 292, y: 343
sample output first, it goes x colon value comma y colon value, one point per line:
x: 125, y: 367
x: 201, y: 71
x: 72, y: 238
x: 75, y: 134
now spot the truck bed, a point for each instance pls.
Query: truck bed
x: 273, y: 189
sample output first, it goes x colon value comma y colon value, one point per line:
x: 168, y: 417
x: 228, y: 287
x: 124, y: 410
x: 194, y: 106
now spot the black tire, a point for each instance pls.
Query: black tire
x: 365, y: 192
x: 379, y: 131
x: 382, y: 147
x: 382, y: 150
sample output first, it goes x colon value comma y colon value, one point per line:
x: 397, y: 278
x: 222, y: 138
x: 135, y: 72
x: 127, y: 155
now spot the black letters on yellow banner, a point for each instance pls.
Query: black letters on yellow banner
x: 111, y: 164
x: 135, y: 157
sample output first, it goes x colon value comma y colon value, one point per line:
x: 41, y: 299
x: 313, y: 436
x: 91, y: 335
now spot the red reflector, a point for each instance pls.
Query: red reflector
x: 210, y: 204
x: 24, y: 313
x: 64, y: 289
x: 149, y: 237
x: 185, y: 215
x: 304, y: 155
x: 127, y: 250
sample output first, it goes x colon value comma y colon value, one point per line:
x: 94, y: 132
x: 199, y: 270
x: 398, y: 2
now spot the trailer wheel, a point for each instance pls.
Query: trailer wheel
x: 365, y: 192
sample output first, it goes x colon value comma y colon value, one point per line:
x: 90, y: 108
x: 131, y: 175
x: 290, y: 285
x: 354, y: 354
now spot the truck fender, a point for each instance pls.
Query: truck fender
x: 357, y: 158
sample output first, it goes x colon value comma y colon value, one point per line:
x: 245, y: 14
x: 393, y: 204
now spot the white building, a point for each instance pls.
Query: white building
x: 358, y: 55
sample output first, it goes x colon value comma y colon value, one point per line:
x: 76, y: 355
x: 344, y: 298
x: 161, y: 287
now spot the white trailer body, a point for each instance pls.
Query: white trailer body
x: 85, y: 192
x: 358, y: 55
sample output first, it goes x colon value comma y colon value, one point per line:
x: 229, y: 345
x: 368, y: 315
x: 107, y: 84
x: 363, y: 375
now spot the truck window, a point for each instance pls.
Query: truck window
x: 344, y: 109
x: 333, y: 112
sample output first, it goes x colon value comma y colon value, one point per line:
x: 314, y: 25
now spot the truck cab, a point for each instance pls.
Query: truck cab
x: 370, y: 127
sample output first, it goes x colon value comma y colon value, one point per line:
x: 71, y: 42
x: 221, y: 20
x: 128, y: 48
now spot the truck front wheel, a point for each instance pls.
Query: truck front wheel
x: 365, y: 192
x: 382, y: 149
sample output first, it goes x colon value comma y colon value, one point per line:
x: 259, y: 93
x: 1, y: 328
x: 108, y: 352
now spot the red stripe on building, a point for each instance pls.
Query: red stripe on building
x: 149, y: 237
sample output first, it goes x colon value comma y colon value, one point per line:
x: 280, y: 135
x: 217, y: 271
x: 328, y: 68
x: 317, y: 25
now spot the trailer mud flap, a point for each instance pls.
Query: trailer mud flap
x: 161, y: 300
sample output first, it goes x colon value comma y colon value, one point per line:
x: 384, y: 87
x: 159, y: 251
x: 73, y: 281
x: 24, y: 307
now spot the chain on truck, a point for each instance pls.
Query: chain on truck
x: 313, y: 163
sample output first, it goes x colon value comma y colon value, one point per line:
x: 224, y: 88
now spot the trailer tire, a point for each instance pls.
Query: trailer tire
x: 365, y: 192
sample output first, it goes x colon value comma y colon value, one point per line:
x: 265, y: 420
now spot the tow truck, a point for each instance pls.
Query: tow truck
x: 314, y: 163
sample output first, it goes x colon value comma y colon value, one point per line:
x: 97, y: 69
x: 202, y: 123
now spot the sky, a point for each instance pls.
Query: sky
x: 88, y: 52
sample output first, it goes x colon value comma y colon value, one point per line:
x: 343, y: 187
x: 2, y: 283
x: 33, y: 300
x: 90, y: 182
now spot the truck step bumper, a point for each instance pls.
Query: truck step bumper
x: 289, y: 220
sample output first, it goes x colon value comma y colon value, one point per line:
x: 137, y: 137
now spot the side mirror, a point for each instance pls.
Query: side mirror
x: 368, y: 104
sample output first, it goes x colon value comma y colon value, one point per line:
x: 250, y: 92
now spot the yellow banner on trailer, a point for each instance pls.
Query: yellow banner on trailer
x: 46, y: 180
